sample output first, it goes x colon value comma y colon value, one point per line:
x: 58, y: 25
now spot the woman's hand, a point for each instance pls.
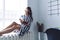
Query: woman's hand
x: 23, y: 22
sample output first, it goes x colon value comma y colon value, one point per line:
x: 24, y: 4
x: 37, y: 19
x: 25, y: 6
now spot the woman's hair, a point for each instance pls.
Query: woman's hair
x: 30, y: 12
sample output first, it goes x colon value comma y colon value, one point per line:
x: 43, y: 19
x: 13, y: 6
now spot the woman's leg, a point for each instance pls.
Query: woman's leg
x: 8, y: 30
x: 14, y: 23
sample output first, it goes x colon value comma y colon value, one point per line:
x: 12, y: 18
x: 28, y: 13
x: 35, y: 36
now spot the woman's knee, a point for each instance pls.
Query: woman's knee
x: 14, y: 23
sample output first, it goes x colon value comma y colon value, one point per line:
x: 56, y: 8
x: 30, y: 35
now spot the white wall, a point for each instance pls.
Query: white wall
x: 43, y: 12
x: 34, y: 5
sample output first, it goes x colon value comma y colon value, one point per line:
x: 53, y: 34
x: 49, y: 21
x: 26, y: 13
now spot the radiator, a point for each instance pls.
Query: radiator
x: 15, y: 36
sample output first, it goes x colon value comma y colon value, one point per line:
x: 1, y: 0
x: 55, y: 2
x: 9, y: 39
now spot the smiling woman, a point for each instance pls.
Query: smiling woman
x: 11, y: 10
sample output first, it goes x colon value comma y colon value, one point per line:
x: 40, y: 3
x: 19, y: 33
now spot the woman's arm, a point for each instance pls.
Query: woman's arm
x: 23, y: 22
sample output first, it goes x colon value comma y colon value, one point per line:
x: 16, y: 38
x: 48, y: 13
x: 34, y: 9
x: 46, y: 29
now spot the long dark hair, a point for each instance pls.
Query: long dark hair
x: 30, y: 12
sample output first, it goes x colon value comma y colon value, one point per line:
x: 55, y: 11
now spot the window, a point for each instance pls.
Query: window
x: 11, y: 10
x: 54, y: 7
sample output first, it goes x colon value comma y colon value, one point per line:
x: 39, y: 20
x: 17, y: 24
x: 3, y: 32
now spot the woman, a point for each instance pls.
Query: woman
x: 24, y: 26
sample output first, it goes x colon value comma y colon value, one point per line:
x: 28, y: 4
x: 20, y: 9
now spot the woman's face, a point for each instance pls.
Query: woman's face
x: 26, y: 11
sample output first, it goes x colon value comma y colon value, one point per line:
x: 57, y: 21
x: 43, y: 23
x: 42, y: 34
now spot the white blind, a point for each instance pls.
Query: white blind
x: 11, y: 10
x: 54, y: 7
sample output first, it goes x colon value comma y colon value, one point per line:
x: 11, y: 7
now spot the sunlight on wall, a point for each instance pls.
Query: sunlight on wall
x: 10, y: 11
